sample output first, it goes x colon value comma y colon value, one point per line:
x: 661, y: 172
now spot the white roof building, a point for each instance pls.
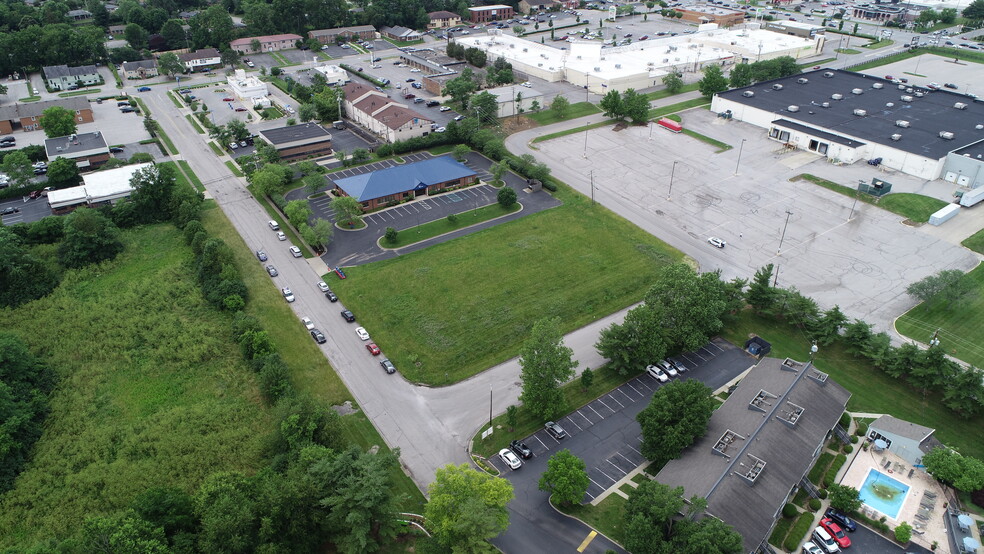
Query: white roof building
x: 100, y: 187
x: 516, y: 99
x: 334, y: 74
x: 248, y: 88
x: 641, y: 64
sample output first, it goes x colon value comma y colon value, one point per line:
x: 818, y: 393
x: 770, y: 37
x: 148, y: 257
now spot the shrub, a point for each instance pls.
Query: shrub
x: 862, y: 429
x: 845, y: 420
x: 789, y: 511
x: 506, y: 197
x: 903, y: 533
x: 802, y: 526
x: 814, y: 504
x: 854, y: 439
x: 834, y: 468
x: 391, y: 235
x: 819, y: 468
x: 823, y: 494
x: 848, y: 449
x: 452, y: 218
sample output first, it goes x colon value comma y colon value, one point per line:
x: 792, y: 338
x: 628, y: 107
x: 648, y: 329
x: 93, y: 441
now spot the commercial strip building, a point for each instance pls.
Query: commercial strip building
x: 795, y: 28
x: 87, y: 150
x: 759, y: 446
x: 248, y: 89
x: 143, y: 69
x: 27, y: 116
x: 294, y: 142
x: 497, y: 12
x: 267, y: 43
x: 206, y: 58
x: 706, y: 13
x: 396, y: 184
x: 382, y: 116
x: 61, y: 77
x: 849, y: 117
x: 326, y: 36
x: 98, y: 189
x: 400, y: 33
x: 641, y: 64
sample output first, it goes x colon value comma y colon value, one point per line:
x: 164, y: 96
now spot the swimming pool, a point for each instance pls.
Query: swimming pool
x: 883, y: 493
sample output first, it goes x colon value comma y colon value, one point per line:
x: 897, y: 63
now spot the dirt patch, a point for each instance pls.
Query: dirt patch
x: 516, y: 124
x: 620, y: 126
x: 345, y: 409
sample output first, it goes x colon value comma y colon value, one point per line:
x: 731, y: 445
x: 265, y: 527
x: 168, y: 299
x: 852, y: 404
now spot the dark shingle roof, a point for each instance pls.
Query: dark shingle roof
x: 295, y: 133
x: 403, y: 178
x: 59, y: 71
x: 133, y: 66
x: 901, y: 428
x: 35, y: 109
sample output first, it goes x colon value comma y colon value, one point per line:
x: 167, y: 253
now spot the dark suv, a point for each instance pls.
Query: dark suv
x: 348, y: 316
x: 318, y: 336
x: 521, y: 450
x: 556, y: 431
x: 841, y: 519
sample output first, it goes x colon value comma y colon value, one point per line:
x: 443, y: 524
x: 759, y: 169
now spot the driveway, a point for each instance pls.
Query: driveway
x: 605, y: 434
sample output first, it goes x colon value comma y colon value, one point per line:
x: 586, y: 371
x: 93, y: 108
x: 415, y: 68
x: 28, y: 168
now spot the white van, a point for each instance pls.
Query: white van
x: 823, y: 539
x: 273, y: 225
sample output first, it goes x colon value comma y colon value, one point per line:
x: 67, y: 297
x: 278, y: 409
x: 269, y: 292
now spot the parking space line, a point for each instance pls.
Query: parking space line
x: 630, y: 399
x: 634, y: 450
x: 606, y: 405
x: 605, y: 474
x: 616, y: 400
x: 633, y: 388
x: 703, y: 359
x: 575, y: 424
x: 709, y: 353
x: 585, y: 417
x: 596, y: 483
x: 596, y: 412
x: 592, y: 498
x: 540, y: 441
x: 642, y: 383
x: 715, y: 346
x: 616, y: 467
x: 626, y: 459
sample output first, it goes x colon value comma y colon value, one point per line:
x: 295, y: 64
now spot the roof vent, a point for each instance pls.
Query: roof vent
x: 860, y: 113
x: 837, y: 96
x: 761, y: 401
x: 857, y: 91
x: 960, y: 106
x: 777, y: 86
x: 896, y: 137
x: 790, y: 413
x: 802, y: 80
x: 748, y: 94
x: 878, y: 85
x: 721, y: 447
x: 946, y: 135
x: 793, y: 109
x: 819, y: 376
x: 902, y: 123
x: 618, y: 66
x: 597, y: 69
x: 828, y: 74
x: 790, y: 364
x: 751, y: 471
x: 825, y: 105
x: 978, y: 126
x: 906, y: 98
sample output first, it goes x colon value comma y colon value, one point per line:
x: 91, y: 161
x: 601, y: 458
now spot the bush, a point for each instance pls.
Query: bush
x: 789, y: 511
x: 814, y: 504
x: 506, y: 197
x: 848, y: 449
x: 903, y: 533
x: 452, y: 218
x: 819, y: 468
x: 834, y: 468
x: 862, y: 429
x: 823, y: 494
x: 854, y: 439
x: 845, y: 420
x: 391, y: 235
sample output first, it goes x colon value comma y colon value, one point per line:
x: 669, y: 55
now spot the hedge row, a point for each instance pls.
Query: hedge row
x: 780, y: 531
x: 802, y: 526
x: 820, y: 468
x: 834, y: 468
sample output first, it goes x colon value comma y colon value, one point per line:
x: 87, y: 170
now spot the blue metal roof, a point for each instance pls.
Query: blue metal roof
x: 402, y: 178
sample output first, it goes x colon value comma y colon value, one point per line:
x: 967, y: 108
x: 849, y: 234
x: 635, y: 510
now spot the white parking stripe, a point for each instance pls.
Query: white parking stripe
x: 585, y: 417
x: 706, y: 351
x: 616, y: 467
x: 596, y: 483
x: 589, y: 494
x: 633, y: 388
x: 574, y: 424
x: 606, y: 475
x: 619, y: 454
x: 634, y: 450
x: 616, y: 400
x: 596, y: 412
x: 541, y: 442
x: 703, y: 359
x: 715, y: 346
x: 606, y: 405
x: 630, y: 399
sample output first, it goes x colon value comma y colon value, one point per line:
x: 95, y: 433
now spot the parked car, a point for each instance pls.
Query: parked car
x: 143, y: 89
x: 318, y: 336
x: 715, y: 241
x: 510, y: 459
x: 823, y: 539
x: 331, y: 296
x: 657, y: 373
x: 388, y: 366
x: 445, y: 109
x: 950, y: 86
x: 810, y: 548
x: 322, y: 286
x: 40, y: 170
x: 555, y: 431
x: 9, y: 210
x: 362, y: 333
x: 288, y: 295
x: 440, y: 130
x: 116, y: 149
x: 281, y: 235
x: 679, y: 365
x: 838, y: 534
x: 228, y: 99
x: 373, y: 349
x: 459, y: 117
x: 240, y: 109
x: 261, y: 255
x: 841, y: 519
x: 521, y: 450
x: 295, y: 251
x: 348, y: 316
x: 432, y: 103
x: 308, y: 324
x: 667, y: 367
x: 272, y: 271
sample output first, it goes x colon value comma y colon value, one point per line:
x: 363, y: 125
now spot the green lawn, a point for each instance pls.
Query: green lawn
x: 169, y: 146
x: 960, y: 324
x: 177, y: 103
x: 215, y: 148
x: 880, y: 43
x: 195, y: 181
x: 580, y: 129
x: 580, y: 109
x: 975, y: 242
x: 194, y: 124
x: 915, y: 207
x: 151, y: 392
x: 811, y: 65
x: 271, y: 113
x: 452, y: 310
x: 442, y: 226
x: 606, y: 517
x: 143, y: 107
x: 79, y: 92
x: 721, y: 146
x: 233, y: 167
x: 850, y: 51
x: 872, y: 390
x: 678, y: 107
x: 666, y: 94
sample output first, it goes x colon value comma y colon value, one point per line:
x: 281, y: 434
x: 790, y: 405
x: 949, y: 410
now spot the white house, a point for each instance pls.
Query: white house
x: 335, y: 75
x: 907, y: 440
x: 248, y: 88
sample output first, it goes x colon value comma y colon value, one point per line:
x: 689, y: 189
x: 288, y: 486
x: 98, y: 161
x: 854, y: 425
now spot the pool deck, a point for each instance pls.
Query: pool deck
x: 926, y: 531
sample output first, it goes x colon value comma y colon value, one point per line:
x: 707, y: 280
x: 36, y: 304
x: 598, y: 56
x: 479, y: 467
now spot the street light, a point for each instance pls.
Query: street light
x: 740, y: 146
x: 857, y: 193
x: 781, y: 238
x: 672, y: 172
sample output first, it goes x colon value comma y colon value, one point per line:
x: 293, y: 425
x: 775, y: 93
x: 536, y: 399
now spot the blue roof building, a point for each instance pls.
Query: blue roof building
x: 394, y: 184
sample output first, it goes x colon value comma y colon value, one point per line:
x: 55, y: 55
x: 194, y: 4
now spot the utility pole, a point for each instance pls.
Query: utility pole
x: 672, y: 172
x: 779, y: 251
x: 490, y: 405
x: 857, y: 193
x: 740, y: 146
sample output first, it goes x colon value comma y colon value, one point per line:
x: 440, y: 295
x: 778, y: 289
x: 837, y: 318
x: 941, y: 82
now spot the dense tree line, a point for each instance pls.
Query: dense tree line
x: 25, y: 383
x: 36, y: 46
x: 652, y: 524
x: 745, y: 74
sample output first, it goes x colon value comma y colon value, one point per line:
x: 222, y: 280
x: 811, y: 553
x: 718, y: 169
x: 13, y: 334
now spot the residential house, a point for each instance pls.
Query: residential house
x: 117, y: 30
x: 294, y: 142
x: 143, y: 69
x: 400, y: 33
x: 27, y: 116
x: 909, y: 441
x: 497, y: 12
x: 63, y: 77
x: 87, y: 150
x: 267, y: 43
x: 207, y: 58
x: 377, y: 189
x: 331, y: 36
x: 78, y: 15
x: 383, y: 116
x: 442, y: 19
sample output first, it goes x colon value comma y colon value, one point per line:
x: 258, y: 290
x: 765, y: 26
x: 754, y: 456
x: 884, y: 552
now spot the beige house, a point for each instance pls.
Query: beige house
x: 142, y: 69
x: 381, y: 115
x: 443, y: 19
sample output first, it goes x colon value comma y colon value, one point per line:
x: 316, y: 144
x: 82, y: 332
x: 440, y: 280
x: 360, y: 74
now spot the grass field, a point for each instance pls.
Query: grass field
x: 232, y: 167
x: 79, y: 92
x: 975, y: 242
x: 678, y: 107
x: 442, y: 226
x: 849, y: 51
x: 151, y: 391
x: 606, y: 517
x: 880, y: 43
x: 215, y: 148
x: 960, y: 325
x: 455, y: 309
x: 580, y: 109
x: 872, y: 390
x: 915, y: 207
x: 966, y: 55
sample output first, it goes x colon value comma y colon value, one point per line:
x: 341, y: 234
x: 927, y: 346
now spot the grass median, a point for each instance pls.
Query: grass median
x: 914, y: 207
x: 548, y: 116
x: 234, y: 168
x: 607, y: 517
x: 439, y: 227
x: 194, y: 124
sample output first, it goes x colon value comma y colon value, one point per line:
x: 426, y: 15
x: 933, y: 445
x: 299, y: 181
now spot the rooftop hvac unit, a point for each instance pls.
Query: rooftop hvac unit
x: 946, y: 135
x: 878, y: 85
x: 837, y: 96
x: 896, y: 137
x: 857, y: 91
x: 539, y: 65
x: 825, y: 105
x: 906, y: 98
x: 618, y: 66
x: 793, y: 109
x: 597, y: 69
x: 902, y: 123
x: 777, y: 86
x: 748, y: 94
x: 665, y: 60
x: 828, y: 74
x: 526, y: 49
x: 860, y: 113
x: 960, y: 106
x: 802, y: 80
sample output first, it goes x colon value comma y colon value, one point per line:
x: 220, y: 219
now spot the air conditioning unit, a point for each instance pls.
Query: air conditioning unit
x: 777, y: 86
x: 902, y: 123
x: 825, y: 105
x: 890, y: 104
x: 978, y: 126
x: 802, y: 80
x: 906, y: 98
x: 860, y: 113
x: 837, y: 96
x: 896, y: 137
x: 748, y: 94
x: 878, y: 85
x: 828, y: 74
x: 857, y: 91
x: 946, y: 135
x: 793, y: 109
x: 597, y: 69
x: 960, y: 106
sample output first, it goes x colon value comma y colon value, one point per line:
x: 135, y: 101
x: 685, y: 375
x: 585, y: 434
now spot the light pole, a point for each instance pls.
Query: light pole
x: 781, y: 238
x: 813, y: 351
x: 857, y: 193
x: 587, y: 91
x: 592, y: 186
x: 650, y: 130
x: 740, y: 146
x: 672, y: 172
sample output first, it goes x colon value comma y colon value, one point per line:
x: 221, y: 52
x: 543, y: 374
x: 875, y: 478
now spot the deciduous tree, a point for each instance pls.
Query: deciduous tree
x: 169, y: 64
x: 90, y: 237
x: 467, y: 507
x: 506, y: 197
x: 672, y: 82
x: 560, y: 107
x: 713, y: 82
x: 58, y: 122
x: 17, y: 166
x: 635, y: 106
x: 677, y: 414
x: 565, y: 478
x: 611, y: 105
x: 546, y: 364
x: 347, y: 209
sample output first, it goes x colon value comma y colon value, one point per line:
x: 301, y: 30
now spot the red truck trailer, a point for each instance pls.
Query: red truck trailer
x: 670, y: 124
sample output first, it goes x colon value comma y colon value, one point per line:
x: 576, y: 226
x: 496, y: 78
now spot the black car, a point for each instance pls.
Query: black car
x: 950, y: 85
x: 411, y: 79
x: 115, y: 149
x: 318, y: 336
x: 388, y: 366
x: 9, y: 210
x: 556, y: 431
x: 127, y: 110
x: 841, y: 519
x: 432, y: 103
x: 331, y: 296
x: 348, y: 316
x: 40, y: 170
x: 521, y: 450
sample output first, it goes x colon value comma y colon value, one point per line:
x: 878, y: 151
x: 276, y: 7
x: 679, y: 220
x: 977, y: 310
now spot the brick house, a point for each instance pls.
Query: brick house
x: 268, y: 43
x: 382, y: 115
x: 27, y: 117
x: 393, y: 185
x: 329, y: 36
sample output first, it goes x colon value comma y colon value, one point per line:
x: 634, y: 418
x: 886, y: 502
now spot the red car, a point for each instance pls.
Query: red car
x: 372, y: 348
x: 836, y: 532
x: 227, y: 99
x: 240, y: 109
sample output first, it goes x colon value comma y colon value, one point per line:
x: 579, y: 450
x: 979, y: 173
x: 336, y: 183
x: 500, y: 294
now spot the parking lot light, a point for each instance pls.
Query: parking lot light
x: 737, y: 163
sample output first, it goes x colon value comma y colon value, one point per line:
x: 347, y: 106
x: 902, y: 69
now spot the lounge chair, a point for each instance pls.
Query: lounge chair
x: 927, y: 503
x: 924, y: 512
x: 929, y: 494
x: 922, y: 517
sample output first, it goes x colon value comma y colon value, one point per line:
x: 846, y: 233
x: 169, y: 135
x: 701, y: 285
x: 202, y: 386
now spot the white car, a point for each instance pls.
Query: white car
x: 667, y: 367
x: 440, y: 130
x: 810, y: 548
x: 657, y: 373
x: 288, y: 295
x: 308, y: 324
x: 527, y: 84
x: 362, y: 333
x: 323, y: 286
x: 445, y: 109
x: 295, y: 251
x: 415, y: 70
x: 459, y: 117
x: 281, y: 235
x: 40, y: 165
x: 715, y: 241
x: 510, y: 459
x: 619, y: 27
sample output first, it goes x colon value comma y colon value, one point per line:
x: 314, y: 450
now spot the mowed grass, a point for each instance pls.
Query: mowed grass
x: 455, y: 309
x: 915, y: 207
x: 871, y: 389
x: 151, y: 392
x: 576, y: 110
x: 960, y: 324
x: 442, y: 226
x: 975, y: 242
x: 607, y: 517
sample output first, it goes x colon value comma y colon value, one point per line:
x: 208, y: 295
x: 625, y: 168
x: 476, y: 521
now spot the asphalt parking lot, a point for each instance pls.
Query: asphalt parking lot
x: 347, y: 141
x: 30, y: 210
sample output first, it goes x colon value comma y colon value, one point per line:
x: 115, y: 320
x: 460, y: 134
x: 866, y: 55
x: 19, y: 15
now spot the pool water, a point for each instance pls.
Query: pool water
x: 883, y: 493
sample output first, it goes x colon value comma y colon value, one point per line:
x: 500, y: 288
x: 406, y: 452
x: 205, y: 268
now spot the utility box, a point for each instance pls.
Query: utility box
x: 944, y: 214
